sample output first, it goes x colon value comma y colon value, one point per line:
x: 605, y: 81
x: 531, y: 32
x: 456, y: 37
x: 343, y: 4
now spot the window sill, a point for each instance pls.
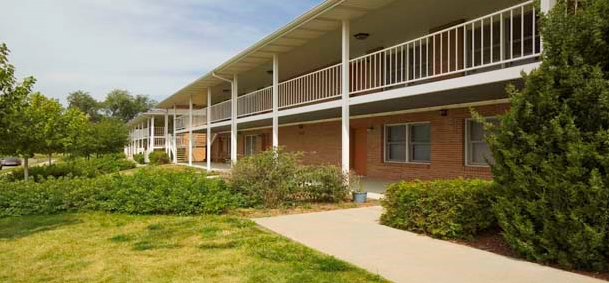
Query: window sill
x: 477, y: 166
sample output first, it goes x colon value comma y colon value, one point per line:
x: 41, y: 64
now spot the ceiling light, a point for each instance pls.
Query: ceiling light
x: 361, y: 35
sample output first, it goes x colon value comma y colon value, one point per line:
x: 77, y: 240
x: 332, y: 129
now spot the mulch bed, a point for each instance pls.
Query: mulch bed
x: 492, y: 241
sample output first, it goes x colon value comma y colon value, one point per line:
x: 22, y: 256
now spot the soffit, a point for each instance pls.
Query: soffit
x: 318, y: 21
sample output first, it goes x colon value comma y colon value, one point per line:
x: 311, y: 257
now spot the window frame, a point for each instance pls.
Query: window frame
x: 408, y: 143
x: 468, y: 143
x: 252, y: 143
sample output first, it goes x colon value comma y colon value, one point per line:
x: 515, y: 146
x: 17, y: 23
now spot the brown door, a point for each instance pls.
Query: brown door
x: 359, y: 150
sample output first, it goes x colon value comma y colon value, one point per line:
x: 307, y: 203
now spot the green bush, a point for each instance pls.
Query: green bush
x: 453, y: 209
x: 76, y: 167
x: 158, y: 158
x: 139, y: 158
x: 551, y: 148
x: 274, y: 178
x: 324, y: 183
x: 148, y: 191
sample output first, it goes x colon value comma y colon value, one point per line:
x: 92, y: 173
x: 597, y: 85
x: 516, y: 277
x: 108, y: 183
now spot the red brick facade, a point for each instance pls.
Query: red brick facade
x: 321, y: 144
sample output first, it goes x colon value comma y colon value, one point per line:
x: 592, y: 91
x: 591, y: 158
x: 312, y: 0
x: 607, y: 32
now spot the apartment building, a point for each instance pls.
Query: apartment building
x: 382, y: 87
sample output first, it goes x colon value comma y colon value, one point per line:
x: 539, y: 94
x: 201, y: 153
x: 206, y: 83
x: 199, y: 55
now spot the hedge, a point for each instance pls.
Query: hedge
x: 79, y: 167
x: 150, y: 191
x: 448, y: 209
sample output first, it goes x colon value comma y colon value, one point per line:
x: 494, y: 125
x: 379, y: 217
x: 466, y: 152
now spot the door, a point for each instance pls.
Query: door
x: 359, y: 150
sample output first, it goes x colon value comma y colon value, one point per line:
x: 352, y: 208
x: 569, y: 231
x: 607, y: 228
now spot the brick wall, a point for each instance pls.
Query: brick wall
x: 321, y: 144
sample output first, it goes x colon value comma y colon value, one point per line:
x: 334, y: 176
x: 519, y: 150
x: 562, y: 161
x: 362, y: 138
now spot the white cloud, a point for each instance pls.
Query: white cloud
x: 148, y: 47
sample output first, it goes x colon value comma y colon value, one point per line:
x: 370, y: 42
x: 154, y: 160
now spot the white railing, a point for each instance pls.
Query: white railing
x: 316, y: 86
x: 159, y: 142
x: 181, y: 122
x: 255, y: 102
x: 500, y: 38
x: 221, y: 111
x: 159, y: 131
x: 181, y: 141
x: 199, y: 117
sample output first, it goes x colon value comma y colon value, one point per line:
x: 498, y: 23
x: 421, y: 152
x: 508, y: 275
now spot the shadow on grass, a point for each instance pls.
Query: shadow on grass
x: 18, y: 227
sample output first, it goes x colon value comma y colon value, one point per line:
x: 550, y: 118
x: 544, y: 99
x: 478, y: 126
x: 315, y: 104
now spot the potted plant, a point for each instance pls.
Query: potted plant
x: 357, y: 188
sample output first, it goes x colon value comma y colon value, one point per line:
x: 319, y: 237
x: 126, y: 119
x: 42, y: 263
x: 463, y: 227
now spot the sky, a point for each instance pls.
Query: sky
x: 150, y: 47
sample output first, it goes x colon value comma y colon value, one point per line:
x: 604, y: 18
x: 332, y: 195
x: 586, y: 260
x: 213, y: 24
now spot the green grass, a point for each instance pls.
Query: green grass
x: 99, y: 247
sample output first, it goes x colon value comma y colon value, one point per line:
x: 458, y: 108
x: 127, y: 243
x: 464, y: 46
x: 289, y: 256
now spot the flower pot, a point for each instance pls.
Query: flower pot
x: 359, y: 197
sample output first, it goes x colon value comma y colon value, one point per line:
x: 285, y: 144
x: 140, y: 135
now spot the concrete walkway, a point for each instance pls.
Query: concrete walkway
x: 354, y: 235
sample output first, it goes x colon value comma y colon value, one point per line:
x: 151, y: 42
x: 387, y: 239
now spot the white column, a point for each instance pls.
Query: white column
x: 190, y: 131
x: 275, y: 100
x: 150, y: 141
x: 166, y: 131
x: 345, y: 97
x: 233, y: 126
x: 208, y: 134
x: 173, y: 140
x: 545, y: 7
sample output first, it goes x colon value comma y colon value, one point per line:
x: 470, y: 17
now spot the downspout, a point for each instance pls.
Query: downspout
x: 233, y: 127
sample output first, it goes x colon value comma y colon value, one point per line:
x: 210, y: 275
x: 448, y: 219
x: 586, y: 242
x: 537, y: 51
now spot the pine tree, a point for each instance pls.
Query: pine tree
x: 551, y: 149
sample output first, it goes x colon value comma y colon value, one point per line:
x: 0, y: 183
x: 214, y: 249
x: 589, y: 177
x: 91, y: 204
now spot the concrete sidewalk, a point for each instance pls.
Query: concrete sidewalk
x: 354, y: 235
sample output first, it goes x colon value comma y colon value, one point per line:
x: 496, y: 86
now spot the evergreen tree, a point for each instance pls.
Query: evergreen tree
x: 551, y: 149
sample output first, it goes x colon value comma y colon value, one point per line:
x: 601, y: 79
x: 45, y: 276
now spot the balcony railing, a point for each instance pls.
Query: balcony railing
x: 199, y: 117
x: 313, y: 87
x: 255, y: 102
x: 500, y: 38
x: 221, y: 111
x: 159, y: 142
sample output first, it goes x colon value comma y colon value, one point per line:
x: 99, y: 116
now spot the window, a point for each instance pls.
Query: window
x: 477, y: 152
x: 250, y: 145
x: 408, y: 143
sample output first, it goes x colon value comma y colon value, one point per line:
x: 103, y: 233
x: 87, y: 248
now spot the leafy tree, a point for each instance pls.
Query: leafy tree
x: 49, y: 122
x: 13, y: 97
x: 122, y: 105
x: 86, y: 103
x: 551, y: 149
x: 107, y: 136
x: 111, y: 136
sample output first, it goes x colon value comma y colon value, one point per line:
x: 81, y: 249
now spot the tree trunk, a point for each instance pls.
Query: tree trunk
x: 26, y: 168
x: 50, y: 155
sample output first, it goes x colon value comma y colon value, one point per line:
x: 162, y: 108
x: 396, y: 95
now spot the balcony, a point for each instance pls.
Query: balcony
x: 502, y: 39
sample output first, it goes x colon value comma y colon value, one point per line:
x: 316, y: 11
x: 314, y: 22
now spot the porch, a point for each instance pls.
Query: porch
x: 504, y: 39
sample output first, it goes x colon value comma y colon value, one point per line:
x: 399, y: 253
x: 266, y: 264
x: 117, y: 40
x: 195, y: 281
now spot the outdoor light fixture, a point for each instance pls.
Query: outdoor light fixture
x: 370, y: 129
x: 443, y: 112
x: 226, y: 90
x: 270, y: 72
x: 361, y: 35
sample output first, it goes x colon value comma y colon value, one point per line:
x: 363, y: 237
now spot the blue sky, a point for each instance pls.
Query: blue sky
x: 151, y: 47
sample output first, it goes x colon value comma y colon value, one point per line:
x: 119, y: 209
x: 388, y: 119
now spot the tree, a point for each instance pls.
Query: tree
x: 122, y: 105
x: 13, y: 99
x: 551, y: 149
x: 86, y: 103
x: 48, y: 114
x: 111, y: 135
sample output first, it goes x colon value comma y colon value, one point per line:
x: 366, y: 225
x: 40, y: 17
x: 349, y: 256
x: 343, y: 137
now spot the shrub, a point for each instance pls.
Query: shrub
x: 148, y: 191
x: 77, y: 167
x: 267, y: 178
x: 324, y: 183
x: 443, y: 209
x: 139, y: 158
x: 273, y: 178
x: 551, y: 150
x: 158, y: 158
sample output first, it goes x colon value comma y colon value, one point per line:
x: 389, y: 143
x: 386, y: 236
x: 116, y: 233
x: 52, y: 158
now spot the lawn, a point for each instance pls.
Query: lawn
x: 99, y: 247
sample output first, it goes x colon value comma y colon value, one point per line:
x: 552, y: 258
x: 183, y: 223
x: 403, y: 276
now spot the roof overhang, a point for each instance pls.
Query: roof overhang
x: 318, y: 21
x: 143, y: 117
